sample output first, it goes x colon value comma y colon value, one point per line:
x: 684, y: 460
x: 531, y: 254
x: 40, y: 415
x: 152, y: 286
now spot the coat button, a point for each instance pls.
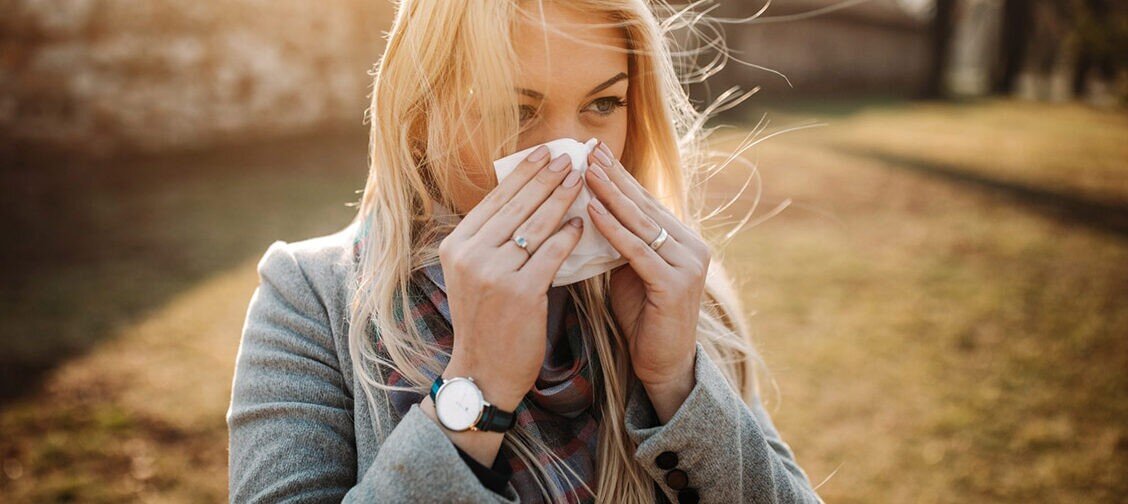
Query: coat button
x: 677, y: 479
x: 688, y: 496
x: 667, y: 460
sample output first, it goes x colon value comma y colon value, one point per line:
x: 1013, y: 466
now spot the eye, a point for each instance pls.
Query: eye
x: 607, y: 105
x: 528, y: 113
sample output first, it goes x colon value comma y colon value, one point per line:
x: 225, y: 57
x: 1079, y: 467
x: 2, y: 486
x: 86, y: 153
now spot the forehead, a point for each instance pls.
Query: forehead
x: 570, y: 52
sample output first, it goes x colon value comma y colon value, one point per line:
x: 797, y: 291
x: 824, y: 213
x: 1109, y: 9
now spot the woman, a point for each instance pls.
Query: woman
x: 406, y: 357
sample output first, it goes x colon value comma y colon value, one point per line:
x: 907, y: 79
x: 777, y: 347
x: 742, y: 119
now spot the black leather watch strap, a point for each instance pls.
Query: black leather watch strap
x: 495, y: 419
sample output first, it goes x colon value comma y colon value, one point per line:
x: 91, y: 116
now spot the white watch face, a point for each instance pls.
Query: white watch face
x: 458, y: 404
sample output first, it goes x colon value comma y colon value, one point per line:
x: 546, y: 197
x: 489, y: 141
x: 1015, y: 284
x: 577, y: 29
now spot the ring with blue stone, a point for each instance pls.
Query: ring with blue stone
x: 521, y: 242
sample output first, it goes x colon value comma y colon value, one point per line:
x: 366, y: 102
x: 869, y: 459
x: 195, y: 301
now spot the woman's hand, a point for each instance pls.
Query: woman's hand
x: 657, y: 298
x: 497, y: 291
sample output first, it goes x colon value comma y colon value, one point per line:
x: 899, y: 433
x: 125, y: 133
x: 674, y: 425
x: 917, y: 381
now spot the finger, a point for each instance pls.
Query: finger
x: 548, y: 217
x: 543, y: 265
x: 629, y: 215
x: 502, y: 193
x: 640, y: 195
x: 651, y: 267
x: 502, y: 224
x: 508, y: 258
x: 512, y: 254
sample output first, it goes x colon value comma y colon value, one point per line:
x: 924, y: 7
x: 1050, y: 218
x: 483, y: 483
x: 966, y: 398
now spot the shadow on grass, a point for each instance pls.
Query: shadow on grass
x: 93, y: 247
x: 1110, y: 218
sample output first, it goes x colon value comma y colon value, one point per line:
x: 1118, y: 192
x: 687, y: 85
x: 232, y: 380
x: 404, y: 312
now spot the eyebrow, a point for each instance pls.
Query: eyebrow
x: 606, y: 84
x: 530, y: 93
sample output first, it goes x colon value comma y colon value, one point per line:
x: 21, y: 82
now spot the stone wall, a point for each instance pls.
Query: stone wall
x: 103, y: 77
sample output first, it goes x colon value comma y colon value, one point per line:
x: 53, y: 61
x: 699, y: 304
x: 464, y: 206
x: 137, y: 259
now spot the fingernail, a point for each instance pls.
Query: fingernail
x: 538, y: 154
x: 560, y: 162
x: 606, y: 150
x: 576, y: 222
x: 598, y: 171
x: 602, y: 158
x: 572, y: 178
x: 598, y: 206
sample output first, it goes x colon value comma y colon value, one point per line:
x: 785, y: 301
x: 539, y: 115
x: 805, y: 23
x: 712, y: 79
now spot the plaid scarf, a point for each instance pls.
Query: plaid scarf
x: 558, y: 409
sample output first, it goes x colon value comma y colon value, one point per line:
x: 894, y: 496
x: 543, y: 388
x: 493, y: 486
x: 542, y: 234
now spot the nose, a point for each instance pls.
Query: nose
x: 564, y: 128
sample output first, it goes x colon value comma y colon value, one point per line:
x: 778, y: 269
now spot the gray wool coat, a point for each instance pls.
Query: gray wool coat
x: 300, y: 429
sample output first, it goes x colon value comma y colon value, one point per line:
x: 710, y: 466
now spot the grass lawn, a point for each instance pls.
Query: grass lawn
x: 942, y: 301
x: 142, y: 289
x: 940, y: 337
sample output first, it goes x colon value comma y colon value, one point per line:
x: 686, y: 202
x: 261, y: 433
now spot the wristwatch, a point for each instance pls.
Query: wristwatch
x: 460, y: 406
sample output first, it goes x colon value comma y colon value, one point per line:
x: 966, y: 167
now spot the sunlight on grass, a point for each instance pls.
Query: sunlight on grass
x: 932, y: 342
x: 142, y: 416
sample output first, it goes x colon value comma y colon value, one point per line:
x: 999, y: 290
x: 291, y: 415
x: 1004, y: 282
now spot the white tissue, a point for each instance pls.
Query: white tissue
x: 593, y: 254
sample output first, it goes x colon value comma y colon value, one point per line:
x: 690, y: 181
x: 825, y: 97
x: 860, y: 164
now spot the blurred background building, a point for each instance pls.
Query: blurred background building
x: 105, y: 77
x: 825, y: 47
x: 112, y: 76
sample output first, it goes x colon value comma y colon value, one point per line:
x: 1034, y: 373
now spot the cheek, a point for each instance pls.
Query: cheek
x: 611, y: 130
x: 614, y: 133
x: 620, y: 143
x: 481, y: 178
x: 469, y: 187
x: 471, y: 156
x: 469, y: 181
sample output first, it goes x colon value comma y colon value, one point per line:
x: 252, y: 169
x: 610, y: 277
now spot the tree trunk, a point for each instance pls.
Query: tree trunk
x: 941, y: 43
x: 1012, y: 46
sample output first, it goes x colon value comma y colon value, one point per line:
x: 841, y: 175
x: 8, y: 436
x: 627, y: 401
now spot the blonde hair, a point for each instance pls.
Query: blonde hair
x: 424, y: 83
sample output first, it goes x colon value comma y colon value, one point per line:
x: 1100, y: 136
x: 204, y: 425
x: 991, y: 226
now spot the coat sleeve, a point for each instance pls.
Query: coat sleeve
x: 290, y: 420
x: 728, y: 451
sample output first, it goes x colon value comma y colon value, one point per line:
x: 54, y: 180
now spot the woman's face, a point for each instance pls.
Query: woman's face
x: 571, y: 84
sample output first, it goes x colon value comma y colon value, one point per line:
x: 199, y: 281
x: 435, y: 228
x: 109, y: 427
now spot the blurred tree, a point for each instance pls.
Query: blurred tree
x: 1102, y: 34
x: 1016, y: 21
x: 1085, y: 38
x: 941, y: 43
